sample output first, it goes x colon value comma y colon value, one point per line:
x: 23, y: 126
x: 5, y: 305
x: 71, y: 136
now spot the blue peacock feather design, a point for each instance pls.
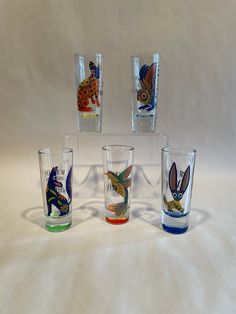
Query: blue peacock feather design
x: 147, y: 94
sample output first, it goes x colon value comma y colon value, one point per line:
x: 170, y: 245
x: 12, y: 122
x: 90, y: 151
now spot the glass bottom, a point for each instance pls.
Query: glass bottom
x: 175, y: 224
x: 117, y: 221
x: 58, y: 228
x: 174, y: 230
x: 89, y: 122
x: 58, y: 224
x: 143, y: 123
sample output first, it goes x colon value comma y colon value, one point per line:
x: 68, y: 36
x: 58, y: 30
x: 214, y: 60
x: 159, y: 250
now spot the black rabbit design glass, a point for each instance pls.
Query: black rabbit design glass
x: 177, y: 180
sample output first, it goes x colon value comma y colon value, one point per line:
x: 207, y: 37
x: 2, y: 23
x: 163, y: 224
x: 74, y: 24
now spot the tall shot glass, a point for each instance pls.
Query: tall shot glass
x: 56, y: 182
x: 177, y: 181
x: 145, y: 72
x: 89, y: 86
x: 117, y: 166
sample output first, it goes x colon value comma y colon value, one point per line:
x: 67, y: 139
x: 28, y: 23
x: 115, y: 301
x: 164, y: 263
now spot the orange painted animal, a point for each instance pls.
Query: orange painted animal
x: 89, y: 90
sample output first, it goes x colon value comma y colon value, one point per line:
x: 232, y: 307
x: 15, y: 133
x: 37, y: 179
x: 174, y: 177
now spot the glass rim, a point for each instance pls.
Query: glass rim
x: 55, y: 150
x: 180, y: 150
x: 125, y: 148
x: 147, y: 54
x: 91, y: 54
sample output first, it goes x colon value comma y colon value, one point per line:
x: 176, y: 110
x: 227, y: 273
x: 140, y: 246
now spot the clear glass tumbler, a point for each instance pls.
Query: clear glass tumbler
x: 117, y: 166
x: 89, y: 85
x: 177, y: 181
x: 56, y: 182
x: 145, y: 72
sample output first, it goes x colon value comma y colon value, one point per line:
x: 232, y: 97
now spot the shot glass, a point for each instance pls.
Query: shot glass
x: 89, y: 86
x: 177, y: 181
x: 117, y: 166
x: 56, y: 182
x: 145, y: 72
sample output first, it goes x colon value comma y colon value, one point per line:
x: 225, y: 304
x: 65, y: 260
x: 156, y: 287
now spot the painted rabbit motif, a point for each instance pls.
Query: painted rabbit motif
x: 176, y: 191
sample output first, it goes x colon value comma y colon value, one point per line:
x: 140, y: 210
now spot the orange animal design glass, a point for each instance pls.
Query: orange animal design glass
x: 117, y: 164
x: 88, y: 77
x: 88, y: 90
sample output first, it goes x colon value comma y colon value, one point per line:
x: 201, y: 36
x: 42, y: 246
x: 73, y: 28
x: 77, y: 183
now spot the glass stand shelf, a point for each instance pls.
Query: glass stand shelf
x: 88, y: 168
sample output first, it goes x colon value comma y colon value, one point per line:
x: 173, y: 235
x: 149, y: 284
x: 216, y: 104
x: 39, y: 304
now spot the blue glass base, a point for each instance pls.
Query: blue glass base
x: 174, y: 229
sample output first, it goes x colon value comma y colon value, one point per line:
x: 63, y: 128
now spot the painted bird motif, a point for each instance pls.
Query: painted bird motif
x: 120, y: 184
x: 147, y: 79
x: 174, y: 205
x: 54, y: 197
x: 88, y: 90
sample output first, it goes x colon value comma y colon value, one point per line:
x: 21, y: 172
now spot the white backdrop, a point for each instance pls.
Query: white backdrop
x: 197, y: 42
x: 145, y: 269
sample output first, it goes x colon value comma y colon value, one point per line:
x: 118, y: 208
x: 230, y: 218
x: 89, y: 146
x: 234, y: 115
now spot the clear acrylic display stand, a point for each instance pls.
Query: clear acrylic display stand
x: 88, y: 168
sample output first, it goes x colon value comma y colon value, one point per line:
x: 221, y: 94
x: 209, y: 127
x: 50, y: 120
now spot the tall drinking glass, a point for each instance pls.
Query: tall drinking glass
x: 177, y: 181
x: 89, y: 85
x: 145, y: 70
x: 56, y: 182
x: 117, y: 166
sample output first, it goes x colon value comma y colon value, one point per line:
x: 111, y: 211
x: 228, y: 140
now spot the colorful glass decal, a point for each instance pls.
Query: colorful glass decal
x: 120, y: 184
x: 177, y: 189
x: 89, y: 90
x: 54, y: 197
x: 147, y: 79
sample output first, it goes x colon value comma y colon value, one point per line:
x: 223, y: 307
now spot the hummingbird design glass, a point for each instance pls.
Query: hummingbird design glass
x: 117, y: 166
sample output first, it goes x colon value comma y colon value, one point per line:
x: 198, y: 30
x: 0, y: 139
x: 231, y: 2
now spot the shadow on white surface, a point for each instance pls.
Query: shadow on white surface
x: 143, y: 211
x: 197, y: 217
x: 86, y: 211
x: 152, y: 216
x: 34, y: 215
x: 147, y: 213
x: 80, y: 214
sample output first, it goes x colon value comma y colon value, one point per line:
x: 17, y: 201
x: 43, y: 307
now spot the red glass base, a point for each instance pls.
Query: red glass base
x: 117, y: 221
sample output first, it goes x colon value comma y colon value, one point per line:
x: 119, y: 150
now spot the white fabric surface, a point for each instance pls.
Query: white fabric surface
x: 135, y: 268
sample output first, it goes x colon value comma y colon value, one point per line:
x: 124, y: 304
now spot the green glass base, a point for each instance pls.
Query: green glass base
x: 58, y: 228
